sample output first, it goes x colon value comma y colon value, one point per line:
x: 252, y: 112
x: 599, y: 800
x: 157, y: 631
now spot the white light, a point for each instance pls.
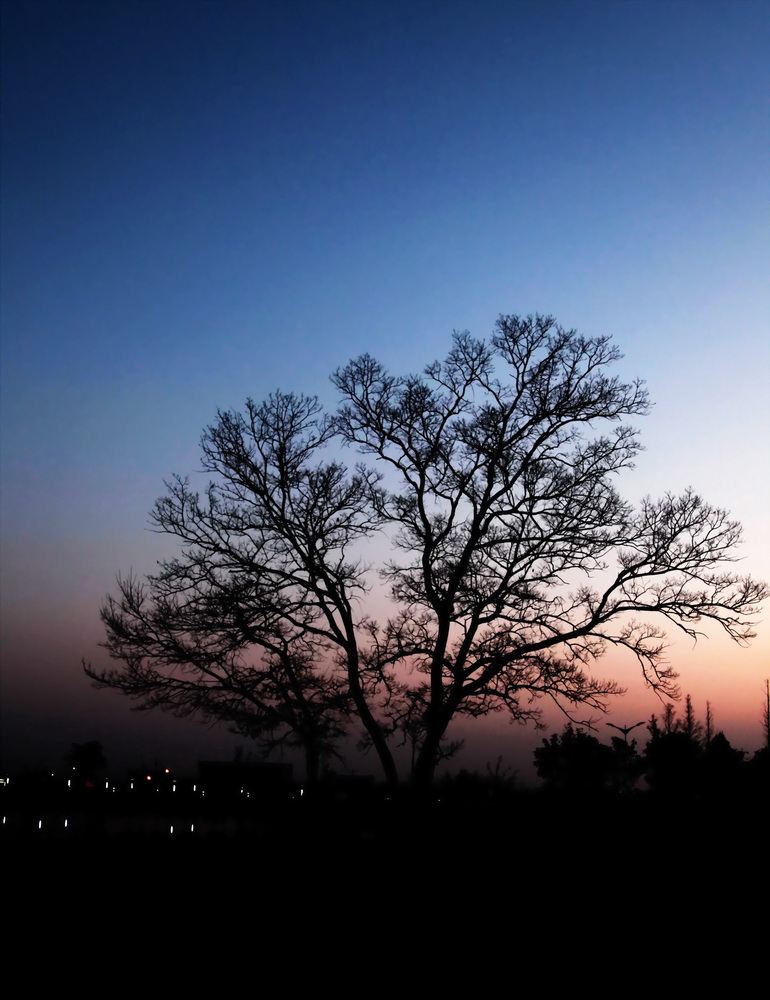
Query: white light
x: 66, y: 823
x: 172, y: 828
x: 40, y: 824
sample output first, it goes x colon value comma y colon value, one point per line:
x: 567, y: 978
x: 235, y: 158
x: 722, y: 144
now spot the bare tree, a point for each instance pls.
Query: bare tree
x: 670, y: 722
x: 689, y: 724
x: 499, y: 499
x: 515, y: 566
x: 194, y: 641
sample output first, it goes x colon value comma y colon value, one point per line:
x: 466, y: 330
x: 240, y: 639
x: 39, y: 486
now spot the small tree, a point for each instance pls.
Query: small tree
x: 722, y: 767
x: 188, y: 643
x: 576, y: 762
x: 670, y: 721
x: 496, y: 488
x: 689, y: 724
x: 672, y: 761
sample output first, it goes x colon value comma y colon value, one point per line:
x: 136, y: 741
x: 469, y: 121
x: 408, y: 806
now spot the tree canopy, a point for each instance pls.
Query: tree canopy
x: 492, y: 475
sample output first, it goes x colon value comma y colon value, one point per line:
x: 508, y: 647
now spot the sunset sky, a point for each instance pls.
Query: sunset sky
x: 206, y: 200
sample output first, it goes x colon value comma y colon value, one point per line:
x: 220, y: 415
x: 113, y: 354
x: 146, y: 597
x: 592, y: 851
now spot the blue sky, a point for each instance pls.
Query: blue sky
x: 204, y: 201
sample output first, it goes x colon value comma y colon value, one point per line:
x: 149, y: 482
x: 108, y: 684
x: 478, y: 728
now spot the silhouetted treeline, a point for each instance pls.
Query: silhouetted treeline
x: 683, y: 769
x: 682, y: 758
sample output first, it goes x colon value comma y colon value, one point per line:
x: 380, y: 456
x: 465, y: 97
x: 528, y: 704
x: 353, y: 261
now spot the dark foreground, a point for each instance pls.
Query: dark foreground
x: 543, y: 846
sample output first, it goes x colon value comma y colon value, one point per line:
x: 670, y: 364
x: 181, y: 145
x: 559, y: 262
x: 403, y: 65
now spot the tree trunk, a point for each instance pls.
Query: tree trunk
x: 312, y: 764
x: 424, y: 768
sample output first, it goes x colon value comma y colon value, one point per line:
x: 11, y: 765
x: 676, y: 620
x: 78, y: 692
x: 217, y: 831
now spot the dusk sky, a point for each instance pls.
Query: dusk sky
x: 206, y: 200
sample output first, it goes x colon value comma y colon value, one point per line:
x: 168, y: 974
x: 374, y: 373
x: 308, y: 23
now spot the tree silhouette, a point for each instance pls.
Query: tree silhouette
x: 495, y: 487
x: 671, y: 763
x: 722, y: 767
x: 670, y: 721
x: 186, y: 645
x: 577, y: 763
x: 689, y: 724
x: 759, y: 765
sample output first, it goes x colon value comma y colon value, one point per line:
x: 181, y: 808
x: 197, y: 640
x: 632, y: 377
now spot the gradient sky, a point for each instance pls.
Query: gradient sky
x: 206, y: 200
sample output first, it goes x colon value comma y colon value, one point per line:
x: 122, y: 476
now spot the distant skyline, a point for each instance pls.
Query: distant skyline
x: 206, y: 200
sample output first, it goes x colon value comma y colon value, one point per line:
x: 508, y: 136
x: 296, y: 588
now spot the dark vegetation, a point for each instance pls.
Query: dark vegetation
x: 515, y: 562
x: 679, y: 762
x: 610, y: 822
x: 678, y: 766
